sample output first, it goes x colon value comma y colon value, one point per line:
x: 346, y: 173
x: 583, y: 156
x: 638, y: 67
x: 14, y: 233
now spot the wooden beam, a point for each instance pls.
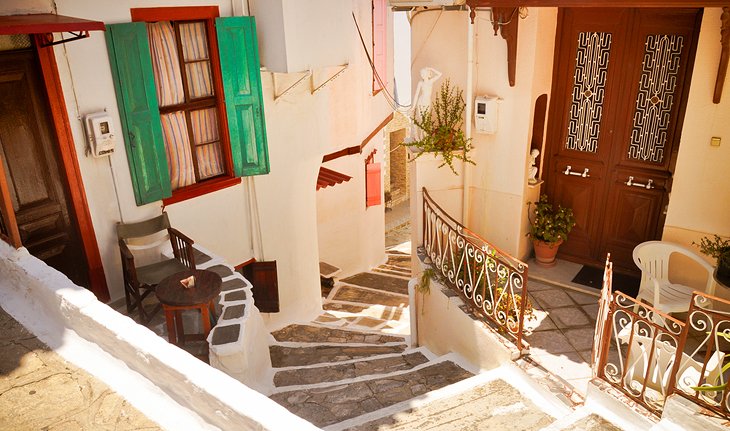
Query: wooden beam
x: 7, y: 212
x: 506, y: 20
x: 724, y: 55
x: 598, y: 3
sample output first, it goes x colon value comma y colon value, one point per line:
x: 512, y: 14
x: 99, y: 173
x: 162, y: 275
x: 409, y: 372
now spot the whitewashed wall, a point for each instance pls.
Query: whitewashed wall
x: 301, y: 128
x: 497, y: 185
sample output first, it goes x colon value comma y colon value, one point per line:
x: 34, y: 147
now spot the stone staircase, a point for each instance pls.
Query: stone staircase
x: 352, y: 369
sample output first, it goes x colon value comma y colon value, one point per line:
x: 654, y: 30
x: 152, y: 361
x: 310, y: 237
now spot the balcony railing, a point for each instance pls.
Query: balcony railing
x: 649, y: 355
x: 491, y: 282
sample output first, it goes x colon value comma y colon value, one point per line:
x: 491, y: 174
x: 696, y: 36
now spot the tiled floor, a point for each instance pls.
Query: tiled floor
x: 561, y: 334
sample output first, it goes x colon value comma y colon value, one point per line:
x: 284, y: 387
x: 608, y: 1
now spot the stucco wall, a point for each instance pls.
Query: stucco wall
x: 700, y: 201
x: 301, y: 127
x: 498, y: 183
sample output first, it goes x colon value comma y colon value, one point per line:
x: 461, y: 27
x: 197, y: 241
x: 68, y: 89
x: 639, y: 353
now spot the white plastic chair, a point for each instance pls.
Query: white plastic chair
x: 652, y: 257
x: 653, y: 370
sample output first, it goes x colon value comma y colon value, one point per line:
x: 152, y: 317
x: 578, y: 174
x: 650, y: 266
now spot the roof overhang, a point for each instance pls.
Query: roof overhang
x: 598, y: 3
x: 47, y: 24
x: 328, y: 177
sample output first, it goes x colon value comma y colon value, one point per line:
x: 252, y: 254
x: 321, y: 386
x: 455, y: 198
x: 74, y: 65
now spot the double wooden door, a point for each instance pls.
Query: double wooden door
x: 620, y: 84
x: 36, y: 181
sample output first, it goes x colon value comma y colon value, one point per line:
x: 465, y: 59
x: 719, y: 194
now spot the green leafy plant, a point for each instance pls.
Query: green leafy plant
x: 441, y: 125
x: 424, y: 283
x: 549, y: 225
x: 717, y: 248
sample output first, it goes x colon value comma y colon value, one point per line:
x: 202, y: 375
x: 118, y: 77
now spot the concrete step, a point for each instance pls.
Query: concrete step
x: 288, y: 356
x: 495, y: 405
x: 389, y: 270
x: 320, y: 334
x: 361, y: 322
x: 367, y: 296
x: 331, y: 404
x: 377, y: 311
x: 350, y: 370
x: 386, y: 283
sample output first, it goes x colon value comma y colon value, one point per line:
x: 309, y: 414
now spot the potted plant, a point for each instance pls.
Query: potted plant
x: 441, y: 125
x: 719, y: 249
x: 548, y: 229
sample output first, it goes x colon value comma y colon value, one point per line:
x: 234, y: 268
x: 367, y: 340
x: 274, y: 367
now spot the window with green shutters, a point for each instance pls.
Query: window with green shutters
x: 189, y: 95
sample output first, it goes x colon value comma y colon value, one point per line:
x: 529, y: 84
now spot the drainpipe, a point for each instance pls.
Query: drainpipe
x: 468, y: 120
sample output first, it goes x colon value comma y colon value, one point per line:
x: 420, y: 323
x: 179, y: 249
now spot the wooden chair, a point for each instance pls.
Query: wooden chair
x: 140, y: 281
x: 652, y: 257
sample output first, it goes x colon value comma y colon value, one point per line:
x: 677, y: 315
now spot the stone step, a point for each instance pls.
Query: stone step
x: 286, y: 356
x: 351, y: 370
x: 320, y: 334
x: 367, y: 296
x: 332, y: 404
x: 390, y: 271
x: 379, y: 282
x: 383, y: 312
x: 495, y: 405
x: 357, y: 322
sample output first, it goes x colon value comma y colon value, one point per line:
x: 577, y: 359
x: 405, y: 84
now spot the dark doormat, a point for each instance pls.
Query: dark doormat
x: 593, y: 277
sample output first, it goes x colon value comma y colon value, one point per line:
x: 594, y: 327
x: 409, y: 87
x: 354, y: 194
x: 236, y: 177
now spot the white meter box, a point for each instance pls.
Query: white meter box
x: 100, y: 133
x: 486, y: 114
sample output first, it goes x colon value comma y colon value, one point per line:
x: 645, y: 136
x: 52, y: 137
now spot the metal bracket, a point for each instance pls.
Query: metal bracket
x: 47, y: 39
x: 307, y: 74
x: 330, y: 79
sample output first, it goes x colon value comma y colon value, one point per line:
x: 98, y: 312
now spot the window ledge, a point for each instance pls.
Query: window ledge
x: 200, y: 189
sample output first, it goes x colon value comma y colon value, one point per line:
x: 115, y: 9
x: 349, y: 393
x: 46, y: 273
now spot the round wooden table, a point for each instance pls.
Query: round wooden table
x: 176, y: 298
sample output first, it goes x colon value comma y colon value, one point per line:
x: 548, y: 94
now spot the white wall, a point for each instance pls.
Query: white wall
x: 301, y: 127
x: 497, y: 185
x: 700, y: 200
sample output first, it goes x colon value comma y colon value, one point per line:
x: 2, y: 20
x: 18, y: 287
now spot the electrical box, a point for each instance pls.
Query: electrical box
x: 100, y: 133
x: 485, y: 114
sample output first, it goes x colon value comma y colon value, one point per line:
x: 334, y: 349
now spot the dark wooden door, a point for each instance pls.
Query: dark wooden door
x: 619, y: 91
x: 37, y: 185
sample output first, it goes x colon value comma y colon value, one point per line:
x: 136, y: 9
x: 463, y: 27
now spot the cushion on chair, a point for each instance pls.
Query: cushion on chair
x: 153, y: 274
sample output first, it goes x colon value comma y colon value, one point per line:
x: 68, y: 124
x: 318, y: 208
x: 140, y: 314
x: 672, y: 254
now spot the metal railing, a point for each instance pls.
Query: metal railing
x: 649, y: 355
x: 491, y: 282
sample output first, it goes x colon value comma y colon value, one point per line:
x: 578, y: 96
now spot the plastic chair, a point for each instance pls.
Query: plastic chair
x: 140, y: 281
x: 652, y: 257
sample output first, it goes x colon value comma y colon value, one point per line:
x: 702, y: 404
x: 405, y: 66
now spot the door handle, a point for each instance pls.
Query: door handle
x: 584, y: 174
x: 649, y: 184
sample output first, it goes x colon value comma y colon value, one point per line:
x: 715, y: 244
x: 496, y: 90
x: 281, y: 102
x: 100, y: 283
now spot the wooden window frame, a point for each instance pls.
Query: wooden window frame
x: 208, y: 14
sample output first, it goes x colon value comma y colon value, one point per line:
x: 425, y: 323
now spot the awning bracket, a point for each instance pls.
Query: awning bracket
x: 47, y: 38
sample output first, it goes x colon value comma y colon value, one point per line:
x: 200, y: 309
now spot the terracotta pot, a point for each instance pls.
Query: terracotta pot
x: 545, y: 252
x: 722, y: 275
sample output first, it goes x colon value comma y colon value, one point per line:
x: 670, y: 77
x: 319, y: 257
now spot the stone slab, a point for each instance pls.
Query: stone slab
x: 332, y: 373
x: 39, y: 390
x: 379, y: 281
x: 363, y: 296
x: 325, y: 406
x: 318, y: 334
x: 493, y: 406
x: 297, y: 356
x: 592, y: 423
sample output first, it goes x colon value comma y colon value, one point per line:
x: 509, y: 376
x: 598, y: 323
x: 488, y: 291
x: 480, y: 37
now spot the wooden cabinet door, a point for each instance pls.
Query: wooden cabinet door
x: 30, y: 155
x: 620, y: 82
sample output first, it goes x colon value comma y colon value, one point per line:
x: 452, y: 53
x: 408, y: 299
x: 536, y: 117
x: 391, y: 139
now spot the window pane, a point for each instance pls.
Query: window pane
x: 177, y: 149
x: 194, y: 41
x: 200, y: 83
x: 205, y: 131
x: 165, y: 63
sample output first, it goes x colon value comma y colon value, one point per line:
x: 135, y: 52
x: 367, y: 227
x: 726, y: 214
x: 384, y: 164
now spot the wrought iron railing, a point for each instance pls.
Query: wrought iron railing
x: 491, y: 282
x: 649, y: 355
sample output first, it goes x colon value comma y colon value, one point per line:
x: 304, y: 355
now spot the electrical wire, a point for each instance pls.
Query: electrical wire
x: 388, y: 97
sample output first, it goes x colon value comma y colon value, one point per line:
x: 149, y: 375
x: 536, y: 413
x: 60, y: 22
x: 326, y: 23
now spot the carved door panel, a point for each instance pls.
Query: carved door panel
x: 621, y: 79
x: 32, y: 171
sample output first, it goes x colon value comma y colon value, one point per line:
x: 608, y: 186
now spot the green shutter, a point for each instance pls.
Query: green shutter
x: 131, y: 64
x: 239, y: 56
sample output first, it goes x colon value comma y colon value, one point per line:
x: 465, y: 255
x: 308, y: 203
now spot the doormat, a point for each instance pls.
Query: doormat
x: 593, y: 277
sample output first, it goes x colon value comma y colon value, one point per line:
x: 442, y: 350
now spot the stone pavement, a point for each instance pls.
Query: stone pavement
x: 39, y: 390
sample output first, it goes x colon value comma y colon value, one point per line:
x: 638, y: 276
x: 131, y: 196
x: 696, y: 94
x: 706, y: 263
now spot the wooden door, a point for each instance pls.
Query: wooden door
x: 619, y: 89
x: 30, y: 155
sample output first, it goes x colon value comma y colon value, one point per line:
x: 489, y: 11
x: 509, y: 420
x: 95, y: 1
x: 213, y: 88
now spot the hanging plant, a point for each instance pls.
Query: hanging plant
x: 441, y: 125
